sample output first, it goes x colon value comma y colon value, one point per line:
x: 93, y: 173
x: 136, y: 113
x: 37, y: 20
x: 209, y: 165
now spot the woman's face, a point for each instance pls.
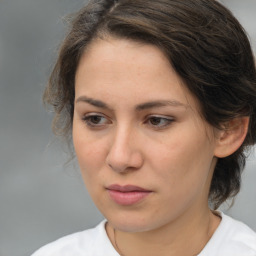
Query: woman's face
x: 145, y: 154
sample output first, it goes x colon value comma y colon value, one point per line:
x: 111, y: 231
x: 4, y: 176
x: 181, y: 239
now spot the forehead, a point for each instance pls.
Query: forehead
x: 120, y: 66
x: 124, y: 51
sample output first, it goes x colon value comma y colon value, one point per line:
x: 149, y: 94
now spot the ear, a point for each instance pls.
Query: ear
x: 231, y: 137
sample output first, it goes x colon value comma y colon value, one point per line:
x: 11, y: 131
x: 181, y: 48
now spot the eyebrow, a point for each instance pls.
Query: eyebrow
x: 93, y: 102
x: 140, y: 107
x: 159, y: 104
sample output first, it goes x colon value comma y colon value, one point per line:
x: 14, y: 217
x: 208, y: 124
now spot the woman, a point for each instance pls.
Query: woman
x: 160, y: 99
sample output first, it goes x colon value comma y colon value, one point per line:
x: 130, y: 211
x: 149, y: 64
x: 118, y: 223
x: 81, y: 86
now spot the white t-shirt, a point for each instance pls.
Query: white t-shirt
x: 231, y: 238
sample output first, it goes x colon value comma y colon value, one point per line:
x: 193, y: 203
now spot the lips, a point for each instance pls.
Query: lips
x: 128, y: 194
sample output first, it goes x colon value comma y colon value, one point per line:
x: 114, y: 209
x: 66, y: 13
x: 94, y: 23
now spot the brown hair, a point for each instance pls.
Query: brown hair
x: 204, y: 43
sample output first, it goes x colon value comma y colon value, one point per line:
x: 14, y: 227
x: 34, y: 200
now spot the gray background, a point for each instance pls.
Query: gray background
x: 41, y: 198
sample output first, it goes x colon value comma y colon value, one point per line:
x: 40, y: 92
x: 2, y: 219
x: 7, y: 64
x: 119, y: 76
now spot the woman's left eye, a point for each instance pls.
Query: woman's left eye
x: 159, y: 122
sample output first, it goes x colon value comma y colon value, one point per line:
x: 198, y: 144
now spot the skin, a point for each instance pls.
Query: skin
x: 166, y: 148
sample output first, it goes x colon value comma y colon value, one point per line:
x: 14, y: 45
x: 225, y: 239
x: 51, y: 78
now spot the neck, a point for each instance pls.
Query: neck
x: 185, y: 236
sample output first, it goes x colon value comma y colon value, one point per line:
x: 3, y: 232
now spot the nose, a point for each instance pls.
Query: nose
x: 124, y: 153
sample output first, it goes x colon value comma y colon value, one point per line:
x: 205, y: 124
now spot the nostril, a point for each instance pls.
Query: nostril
x: 118, y: 166
x: 126, y: 163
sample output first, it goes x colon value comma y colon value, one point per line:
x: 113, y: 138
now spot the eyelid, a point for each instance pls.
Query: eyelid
x: 168, y: 120
x: 87, y: 121
x: 160, y: 116
x: 92, y: 114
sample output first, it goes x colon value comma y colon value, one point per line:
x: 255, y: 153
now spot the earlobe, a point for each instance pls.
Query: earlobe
x: 231, y: 137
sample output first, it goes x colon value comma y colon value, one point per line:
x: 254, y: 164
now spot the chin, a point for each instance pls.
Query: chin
x: 129, y: 223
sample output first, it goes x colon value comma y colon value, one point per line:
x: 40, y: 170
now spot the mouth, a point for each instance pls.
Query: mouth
x: 128, y: 194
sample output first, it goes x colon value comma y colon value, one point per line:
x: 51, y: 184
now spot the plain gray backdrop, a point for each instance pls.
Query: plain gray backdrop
x: 41, y: 198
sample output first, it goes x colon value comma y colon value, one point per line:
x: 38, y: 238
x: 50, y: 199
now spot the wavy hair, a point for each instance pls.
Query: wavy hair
x: 205, y: 44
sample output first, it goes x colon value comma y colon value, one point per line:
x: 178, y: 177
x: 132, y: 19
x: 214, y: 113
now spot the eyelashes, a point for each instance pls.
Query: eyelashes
x: 98, y: 121
x: 95, y: 120
x: 159, y: 121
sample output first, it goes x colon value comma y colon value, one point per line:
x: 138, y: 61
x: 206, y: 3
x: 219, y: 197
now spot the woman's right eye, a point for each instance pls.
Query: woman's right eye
x: 94, y: 120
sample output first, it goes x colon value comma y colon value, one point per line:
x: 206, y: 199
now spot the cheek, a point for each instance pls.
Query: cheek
x: 183, y: 160
x: 91, y: 160
x: 90, y: 152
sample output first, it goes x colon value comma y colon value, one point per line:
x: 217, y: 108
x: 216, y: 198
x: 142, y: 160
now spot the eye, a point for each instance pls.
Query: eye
x: 95, y: 120
x: 159, y: 121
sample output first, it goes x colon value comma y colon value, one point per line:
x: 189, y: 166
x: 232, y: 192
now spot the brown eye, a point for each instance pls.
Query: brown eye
x: 155, y: 120
x: 159, y: 122
x: 94, y: 120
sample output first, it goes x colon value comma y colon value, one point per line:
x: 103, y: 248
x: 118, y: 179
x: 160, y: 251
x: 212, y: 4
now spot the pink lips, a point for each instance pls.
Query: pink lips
x: 127, y: 195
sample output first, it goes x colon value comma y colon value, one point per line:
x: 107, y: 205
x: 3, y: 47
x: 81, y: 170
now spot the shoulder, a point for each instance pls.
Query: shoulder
x: 237, y: 231
x: 87, y: 243
x: 232, y: 238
